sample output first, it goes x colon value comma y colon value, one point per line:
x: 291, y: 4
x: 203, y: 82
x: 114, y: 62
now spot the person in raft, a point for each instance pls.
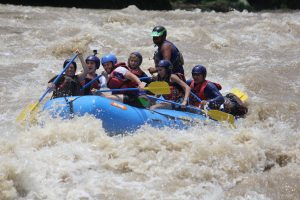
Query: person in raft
x: 207, y: 92
x: 208, y: 95
x: 92, y: 63
x: 69, y: 83
x: 166, y: 51
x: 119, y: 77
x: 135, y: 60
x: 180, y: 91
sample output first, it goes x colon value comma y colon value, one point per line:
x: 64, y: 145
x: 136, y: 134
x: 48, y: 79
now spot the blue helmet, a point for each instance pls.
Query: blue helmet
x: 94, y: 59
x: 166, y: 64
x: 67, y: 61
x: 109, y: 58
x: 199, y: 69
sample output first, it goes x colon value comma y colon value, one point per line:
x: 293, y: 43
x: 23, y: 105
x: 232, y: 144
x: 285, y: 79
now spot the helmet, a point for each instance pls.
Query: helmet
x: 140, y: 57
x: 159, y: 31
x: 199, y: 69
x: 67, y: 61
x: 166, y: 64
x: 94, y: 59
x: 109, y: 58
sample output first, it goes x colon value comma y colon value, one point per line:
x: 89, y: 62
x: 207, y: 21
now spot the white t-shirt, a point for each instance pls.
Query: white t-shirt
x: 120, y: 72
x: 102, y: 81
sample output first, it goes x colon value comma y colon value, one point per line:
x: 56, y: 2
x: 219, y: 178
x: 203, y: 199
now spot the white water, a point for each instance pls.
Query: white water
x: 257, y: 52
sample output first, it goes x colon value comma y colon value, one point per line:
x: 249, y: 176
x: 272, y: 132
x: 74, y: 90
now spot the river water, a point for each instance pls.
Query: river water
x: 256, y: 52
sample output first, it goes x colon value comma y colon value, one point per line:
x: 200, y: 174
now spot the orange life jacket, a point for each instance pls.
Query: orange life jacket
x: 199, y: 91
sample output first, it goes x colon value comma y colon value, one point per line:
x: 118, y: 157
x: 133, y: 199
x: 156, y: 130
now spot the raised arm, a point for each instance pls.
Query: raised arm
x: 83, y: 73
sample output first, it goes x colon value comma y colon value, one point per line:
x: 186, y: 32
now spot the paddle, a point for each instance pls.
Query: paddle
x: 217, y: 114
x: 145, y: 78
x: 214, y: 114
x: 157, y: 87
x: 30, y: 109
x: 243, y: 96
x: 90, y: 83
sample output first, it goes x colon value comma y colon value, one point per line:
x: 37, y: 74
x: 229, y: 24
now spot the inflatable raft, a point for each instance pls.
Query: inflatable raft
x: 118, y: 118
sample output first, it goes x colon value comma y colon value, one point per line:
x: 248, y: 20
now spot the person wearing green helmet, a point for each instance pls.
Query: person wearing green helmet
x: 166, y: 51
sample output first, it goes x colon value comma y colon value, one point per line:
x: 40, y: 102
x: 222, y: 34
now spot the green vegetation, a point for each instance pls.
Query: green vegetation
x: 227, y: 5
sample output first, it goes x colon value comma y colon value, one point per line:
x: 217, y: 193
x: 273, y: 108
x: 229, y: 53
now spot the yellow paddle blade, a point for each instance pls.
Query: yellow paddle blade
x: 28, y: 112
x: 159, y: 87
x: 243, y: 96
x: 221, y: 116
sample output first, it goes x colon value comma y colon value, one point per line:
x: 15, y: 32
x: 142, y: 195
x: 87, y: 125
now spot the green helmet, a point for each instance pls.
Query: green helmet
x: 159, y: 31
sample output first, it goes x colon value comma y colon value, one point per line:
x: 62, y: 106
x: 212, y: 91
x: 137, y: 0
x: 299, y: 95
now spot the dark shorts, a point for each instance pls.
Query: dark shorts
x: 132, y: 100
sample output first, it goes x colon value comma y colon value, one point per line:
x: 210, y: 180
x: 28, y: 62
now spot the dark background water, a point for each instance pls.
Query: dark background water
x: 217, y: 5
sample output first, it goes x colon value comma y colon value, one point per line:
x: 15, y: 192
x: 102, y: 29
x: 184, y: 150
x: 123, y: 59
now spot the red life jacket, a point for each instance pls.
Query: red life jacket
x: 176, y: 91
x: 115, y: 82
x: 199, y: 91
x: 94, y: 85
x: 66, y: 88
x: 137, y: 72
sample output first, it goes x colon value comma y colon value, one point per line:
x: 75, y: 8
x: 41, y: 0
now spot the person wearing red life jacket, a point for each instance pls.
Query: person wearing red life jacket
x: 206, y: 90
x: 120, y: 77
x: 93, y: 63
x: 134, y: 62
x: 69, y: 83
x: 180, y: 91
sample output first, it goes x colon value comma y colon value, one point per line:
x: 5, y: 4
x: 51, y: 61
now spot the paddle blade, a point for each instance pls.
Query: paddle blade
x: 221, y: 116
x: 28, y: 112
x: 159, y: 87
x: 243, y: 96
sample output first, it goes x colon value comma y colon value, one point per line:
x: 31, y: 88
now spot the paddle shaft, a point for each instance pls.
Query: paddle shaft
x: 172, y: 102
x: 119, y: 90
x: 144, y: 78
x: 194, y: 95
x: 91, y: 82
x: 58, y: 77
x: 158, y: 87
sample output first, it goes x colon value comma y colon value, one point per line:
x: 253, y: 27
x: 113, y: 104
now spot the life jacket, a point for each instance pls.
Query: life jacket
x: 199, y: 91
x: 176, y: 58
x: 66, y: 88
x: 138, y: 72
x: 117, y: 81
x: 176, y: 90
x: 94, y: 85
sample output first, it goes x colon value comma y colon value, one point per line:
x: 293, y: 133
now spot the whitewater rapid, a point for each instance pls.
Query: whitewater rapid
x: 256, y: 52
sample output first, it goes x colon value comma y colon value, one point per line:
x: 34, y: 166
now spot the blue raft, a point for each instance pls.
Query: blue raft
x: 117, y: 117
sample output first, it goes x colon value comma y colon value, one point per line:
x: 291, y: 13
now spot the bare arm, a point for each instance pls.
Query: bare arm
x: 135, y: 79
x: 166, y: 51
x: 82, y: 74
x: 184, y: 86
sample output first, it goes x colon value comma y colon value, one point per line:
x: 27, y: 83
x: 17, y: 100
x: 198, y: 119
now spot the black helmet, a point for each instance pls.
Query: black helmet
x: 199, y: 69
x: 94, y: 59
x: 159, y: 31
x: 167, y: 65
